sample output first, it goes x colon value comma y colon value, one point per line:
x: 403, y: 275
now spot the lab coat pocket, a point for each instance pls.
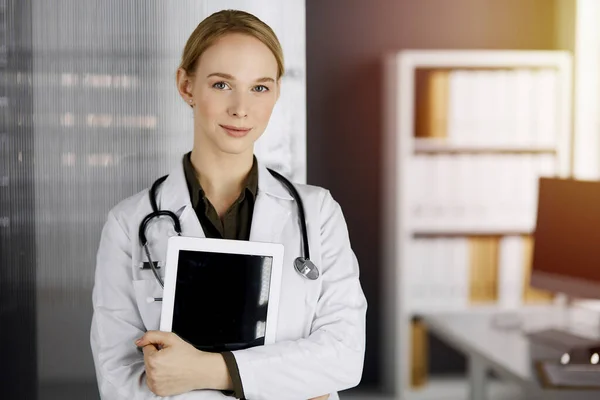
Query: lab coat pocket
x: 146, y: 290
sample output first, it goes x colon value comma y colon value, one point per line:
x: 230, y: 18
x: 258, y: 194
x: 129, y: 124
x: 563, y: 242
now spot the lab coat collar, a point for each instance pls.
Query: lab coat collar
x: 268, y: 184
x: 174, y: 195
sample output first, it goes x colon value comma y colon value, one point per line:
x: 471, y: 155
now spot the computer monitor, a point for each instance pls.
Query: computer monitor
x: 566, y: 254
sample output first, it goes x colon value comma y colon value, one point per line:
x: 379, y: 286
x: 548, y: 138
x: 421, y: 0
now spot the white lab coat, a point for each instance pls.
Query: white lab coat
x: 320, y: 340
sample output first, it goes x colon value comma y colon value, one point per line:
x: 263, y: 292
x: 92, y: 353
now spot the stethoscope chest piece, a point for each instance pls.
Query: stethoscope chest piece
x: 306, y: 268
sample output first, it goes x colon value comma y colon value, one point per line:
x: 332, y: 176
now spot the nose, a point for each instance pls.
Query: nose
x: 239, y: 106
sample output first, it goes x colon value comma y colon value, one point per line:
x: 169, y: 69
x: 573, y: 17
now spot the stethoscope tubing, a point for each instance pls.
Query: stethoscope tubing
x: 303, y: 265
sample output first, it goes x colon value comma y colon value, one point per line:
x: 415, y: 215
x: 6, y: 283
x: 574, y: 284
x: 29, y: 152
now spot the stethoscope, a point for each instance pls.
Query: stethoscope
x: 303, y: 265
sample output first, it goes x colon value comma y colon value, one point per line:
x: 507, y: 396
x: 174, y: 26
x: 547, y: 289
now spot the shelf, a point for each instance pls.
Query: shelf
x: 471, y: 58
x: 433, y: 233
x: 488, y: 309
x: 436, y: 146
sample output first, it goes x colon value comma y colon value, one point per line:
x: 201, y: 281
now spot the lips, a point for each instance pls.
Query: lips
x: 235, y: 131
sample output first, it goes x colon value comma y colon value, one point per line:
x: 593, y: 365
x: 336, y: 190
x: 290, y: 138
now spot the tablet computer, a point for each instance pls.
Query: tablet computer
x: 221, y: 294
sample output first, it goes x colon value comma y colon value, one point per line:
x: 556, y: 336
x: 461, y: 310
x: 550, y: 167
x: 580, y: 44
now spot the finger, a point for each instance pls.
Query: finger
x: 149, y: 349
x: 155, y: 337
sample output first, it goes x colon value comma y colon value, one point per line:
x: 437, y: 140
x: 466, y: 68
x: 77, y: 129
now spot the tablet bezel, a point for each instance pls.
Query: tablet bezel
x: 179, y: 243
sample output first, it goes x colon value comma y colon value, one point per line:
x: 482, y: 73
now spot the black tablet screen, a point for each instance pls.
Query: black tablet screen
x: 221, y: 299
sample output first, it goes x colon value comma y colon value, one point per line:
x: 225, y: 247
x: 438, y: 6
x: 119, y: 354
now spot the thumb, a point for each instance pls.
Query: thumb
x: 157, y: 338
x: 148, y: 350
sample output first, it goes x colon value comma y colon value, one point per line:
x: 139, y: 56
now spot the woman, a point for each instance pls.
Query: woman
x: 230, y: 76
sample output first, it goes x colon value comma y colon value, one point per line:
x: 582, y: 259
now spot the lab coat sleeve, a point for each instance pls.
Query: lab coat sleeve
x: 116, y: 323
x: 331, y: 358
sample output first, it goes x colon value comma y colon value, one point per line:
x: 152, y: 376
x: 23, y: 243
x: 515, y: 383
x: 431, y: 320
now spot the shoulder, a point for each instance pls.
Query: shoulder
x: 129, y: 212
x: 318, y: 199
x: 326, y: 221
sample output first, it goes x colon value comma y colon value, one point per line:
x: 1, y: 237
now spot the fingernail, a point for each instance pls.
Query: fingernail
x: 138, y: 341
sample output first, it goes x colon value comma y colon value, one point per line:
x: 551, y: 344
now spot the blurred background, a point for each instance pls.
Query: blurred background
x: 384, y: 103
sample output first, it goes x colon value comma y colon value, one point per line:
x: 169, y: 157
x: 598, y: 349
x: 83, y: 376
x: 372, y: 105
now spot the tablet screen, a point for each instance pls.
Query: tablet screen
x: 221, y: 299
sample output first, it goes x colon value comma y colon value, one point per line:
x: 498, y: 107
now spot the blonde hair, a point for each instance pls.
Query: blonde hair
x: 222, y: 23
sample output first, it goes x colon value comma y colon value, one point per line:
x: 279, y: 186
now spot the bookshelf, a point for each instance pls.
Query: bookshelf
x: 437, y: 146
x: 467, y: 135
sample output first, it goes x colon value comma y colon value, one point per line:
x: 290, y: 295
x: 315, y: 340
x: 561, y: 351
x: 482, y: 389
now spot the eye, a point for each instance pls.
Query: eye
x: 261, y: 88
x: 220, y: 85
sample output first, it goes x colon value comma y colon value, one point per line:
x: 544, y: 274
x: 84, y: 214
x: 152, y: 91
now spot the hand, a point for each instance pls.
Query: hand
x: 174, y: 366
x: 324, y: 397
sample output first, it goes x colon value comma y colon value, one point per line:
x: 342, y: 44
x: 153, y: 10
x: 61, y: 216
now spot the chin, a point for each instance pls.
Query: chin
x: 239, y: 147
x: 230, y: 145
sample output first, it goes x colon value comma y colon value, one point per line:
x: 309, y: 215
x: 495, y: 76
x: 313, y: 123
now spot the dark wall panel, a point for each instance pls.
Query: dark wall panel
x: 17, y: 235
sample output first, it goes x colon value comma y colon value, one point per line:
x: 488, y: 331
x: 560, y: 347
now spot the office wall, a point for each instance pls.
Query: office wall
x: 90, y: 116
x: 346, y: 40
x: 107, y: 123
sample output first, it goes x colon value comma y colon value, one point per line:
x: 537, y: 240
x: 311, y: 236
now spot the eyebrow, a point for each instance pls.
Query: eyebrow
x: 231, y: 77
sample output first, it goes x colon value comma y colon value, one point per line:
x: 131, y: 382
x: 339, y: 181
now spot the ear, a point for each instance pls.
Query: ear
x: 184, y: 86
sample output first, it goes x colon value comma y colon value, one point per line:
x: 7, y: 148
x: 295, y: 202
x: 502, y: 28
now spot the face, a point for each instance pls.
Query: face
x: 233, y: 92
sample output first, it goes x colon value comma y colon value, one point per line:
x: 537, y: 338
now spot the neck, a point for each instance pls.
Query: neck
x: 222, y: 175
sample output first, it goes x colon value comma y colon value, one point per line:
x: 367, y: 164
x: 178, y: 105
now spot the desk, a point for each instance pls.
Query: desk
x: 507, y: 352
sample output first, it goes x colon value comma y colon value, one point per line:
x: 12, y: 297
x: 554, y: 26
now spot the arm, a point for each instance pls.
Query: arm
x: 331, y: 358
x: 165, y: 374
x: 116, y: 323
